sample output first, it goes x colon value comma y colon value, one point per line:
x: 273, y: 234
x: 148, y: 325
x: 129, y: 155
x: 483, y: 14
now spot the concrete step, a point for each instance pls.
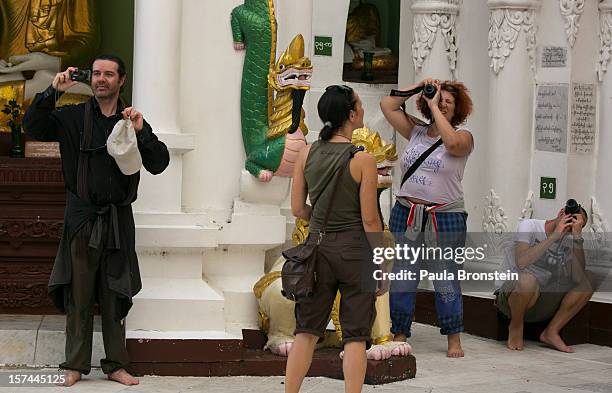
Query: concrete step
x: 184, y: 303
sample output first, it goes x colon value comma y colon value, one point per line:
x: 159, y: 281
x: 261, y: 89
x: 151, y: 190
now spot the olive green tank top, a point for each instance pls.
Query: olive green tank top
x: 324, y: 158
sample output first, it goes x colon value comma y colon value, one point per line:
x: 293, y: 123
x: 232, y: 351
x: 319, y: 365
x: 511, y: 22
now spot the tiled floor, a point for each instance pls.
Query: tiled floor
x: 487, y: 367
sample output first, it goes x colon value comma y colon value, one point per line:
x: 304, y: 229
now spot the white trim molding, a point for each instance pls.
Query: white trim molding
x: 494, y: 219
x: 507, y: 17
x: 605, y: 37
x: 571, y: 10
x: 429, y: 17
x: 527, y: 211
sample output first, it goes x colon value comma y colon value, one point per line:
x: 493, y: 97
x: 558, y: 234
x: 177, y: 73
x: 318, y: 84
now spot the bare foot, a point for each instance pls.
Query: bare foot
x: 555, y: 341
x: 454, y: 346
x: 123, y: 377
x: 515, y: 337
x: 71, y: 377
x: 399, y: 337
x: 265, y: 176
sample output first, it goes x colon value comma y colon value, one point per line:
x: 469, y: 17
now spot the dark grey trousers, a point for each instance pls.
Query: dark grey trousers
x: 89, y: 284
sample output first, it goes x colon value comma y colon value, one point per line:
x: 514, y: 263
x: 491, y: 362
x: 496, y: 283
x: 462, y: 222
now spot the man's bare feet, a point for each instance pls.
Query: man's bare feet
x: 515, y: 336
x: 454, y: 346
x: 123, y: 377
x: 71, y: 377
x: 555, y: 341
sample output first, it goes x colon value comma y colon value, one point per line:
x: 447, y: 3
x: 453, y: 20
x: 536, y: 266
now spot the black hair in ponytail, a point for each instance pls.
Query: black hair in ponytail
x: 334, y: 108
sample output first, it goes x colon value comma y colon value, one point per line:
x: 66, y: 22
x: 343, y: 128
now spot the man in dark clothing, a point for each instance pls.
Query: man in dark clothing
x: 96, y: 260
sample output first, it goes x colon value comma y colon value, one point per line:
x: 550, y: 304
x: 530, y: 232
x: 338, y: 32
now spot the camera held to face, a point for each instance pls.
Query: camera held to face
x: 572, y: 207
x: 80, y: 75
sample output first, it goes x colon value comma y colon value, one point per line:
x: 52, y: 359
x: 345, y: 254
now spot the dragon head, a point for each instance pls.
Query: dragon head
x: 384, y: 153
x: 292, y: 70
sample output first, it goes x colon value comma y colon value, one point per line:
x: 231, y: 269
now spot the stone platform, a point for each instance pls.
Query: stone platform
x: 222, y: 358
x: 38, y: 341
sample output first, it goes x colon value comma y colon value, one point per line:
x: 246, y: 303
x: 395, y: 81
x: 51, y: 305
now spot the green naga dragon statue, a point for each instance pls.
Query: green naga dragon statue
x: 273, y: 126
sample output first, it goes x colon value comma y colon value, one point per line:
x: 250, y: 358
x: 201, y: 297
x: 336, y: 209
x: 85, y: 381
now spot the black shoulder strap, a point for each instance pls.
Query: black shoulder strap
x: 419, y: 161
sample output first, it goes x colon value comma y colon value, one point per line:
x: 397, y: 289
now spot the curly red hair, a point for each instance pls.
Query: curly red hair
x: 463, y: 102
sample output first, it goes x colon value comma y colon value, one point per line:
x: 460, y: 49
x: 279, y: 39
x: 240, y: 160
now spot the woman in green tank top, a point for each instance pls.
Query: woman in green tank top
x: 344, y: 248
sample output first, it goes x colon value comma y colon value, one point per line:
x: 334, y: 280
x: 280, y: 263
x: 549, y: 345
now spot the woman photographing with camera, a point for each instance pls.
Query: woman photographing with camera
x: 341, y: 183
x: 430, y: 200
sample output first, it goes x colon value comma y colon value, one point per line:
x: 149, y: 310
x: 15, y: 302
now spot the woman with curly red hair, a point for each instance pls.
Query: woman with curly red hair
x: 429, y: 204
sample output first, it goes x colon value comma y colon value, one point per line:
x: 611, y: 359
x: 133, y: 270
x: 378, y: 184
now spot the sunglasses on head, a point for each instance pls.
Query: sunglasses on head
x: 342, y: 88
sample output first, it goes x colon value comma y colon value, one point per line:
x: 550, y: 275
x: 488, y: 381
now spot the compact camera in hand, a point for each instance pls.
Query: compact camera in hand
x: 80, y: 75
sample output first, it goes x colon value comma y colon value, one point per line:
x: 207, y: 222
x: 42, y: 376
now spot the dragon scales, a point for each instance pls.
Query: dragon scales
x: 272, y: 124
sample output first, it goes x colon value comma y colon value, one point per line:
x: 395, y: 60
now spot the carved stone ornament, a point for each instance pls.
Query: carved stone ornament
x: 494, y: 219
x: 527, y: 211
x: 598, y: 224
x: 605, y: 37
x: 429, y: 17
x: 571, y: 10
x: 507, y: 18
x: 598, y: 231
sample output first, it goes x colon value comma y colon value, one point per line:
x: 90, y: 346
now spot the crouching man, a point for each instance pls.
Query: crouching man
x: 552, y: 284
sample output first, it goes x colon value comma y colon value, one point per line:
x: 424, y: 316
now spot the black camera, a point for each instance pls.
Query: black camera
x: 572, y: 207
x: 80, y: 75
x: 428, y: 90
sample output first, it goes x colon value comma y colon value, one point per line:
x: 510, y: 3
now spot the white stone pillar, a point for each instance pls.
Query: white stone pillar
x: 512, y: 35
x: 294, y: 19
x: 603, y: 182
x: 434, y: 49
x: 156, y: 95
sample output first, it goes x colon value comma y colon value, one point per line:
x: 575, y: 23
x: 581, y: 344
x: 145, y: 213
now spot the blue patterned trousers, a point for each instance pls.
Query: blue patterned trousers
x: 449, y: 304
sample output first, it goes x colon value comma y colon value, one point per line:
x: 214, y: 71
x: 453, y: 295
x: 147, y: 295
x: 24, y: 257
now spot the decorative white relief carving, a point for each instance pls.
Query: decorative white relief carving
x: 425, y: 30
x: 494, y: 219
x: 598, y: 224
x: 527, y: 211
x: 605, y: 39
x: 504, y: 28
x: 571, y: 10
x: 598, y: 239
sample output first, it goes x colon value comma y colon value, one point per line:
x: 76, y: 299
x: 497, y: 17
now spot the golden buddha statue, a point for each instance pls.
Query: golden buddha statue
x: 66, y: 29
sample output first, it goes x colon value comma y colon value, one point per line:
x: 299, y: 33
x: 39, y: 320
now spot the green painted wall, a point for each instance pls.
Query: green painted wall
x: 389, y: 11
x: 117, y: 35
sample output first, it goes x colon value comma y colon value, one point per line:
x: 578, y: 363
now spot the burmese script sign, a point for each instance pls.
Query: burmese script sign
x: 551, y: 118
x: 554, y: 56
x: 582, y: 128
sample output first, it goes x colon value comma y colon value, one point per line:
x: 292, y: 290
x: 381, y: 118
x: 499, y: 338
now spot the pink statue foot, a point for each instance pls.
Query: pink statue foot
x: 378, y: 352
x: 265, y: 176
x: 282, y: 349
x: 399, y: 348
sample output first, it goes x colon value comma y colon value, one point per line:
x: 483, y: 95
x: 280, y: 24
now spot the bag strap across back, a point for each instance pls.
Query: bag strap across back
x: 340, y: 170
